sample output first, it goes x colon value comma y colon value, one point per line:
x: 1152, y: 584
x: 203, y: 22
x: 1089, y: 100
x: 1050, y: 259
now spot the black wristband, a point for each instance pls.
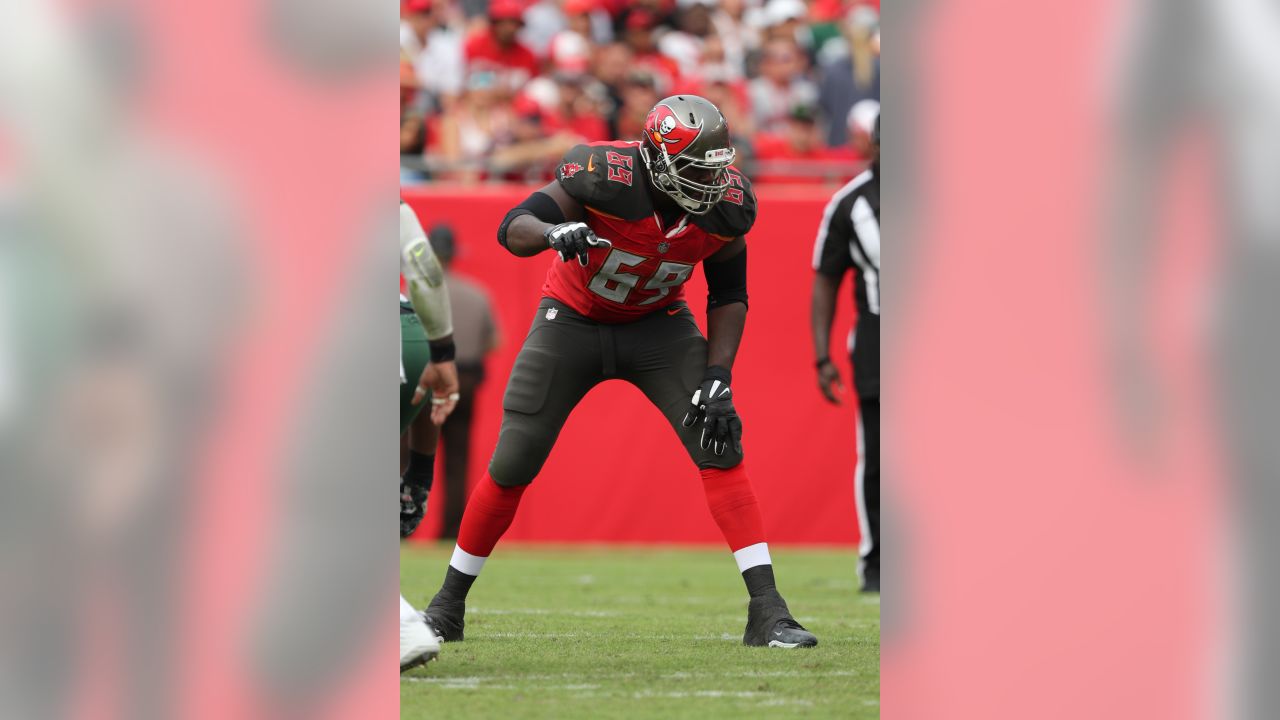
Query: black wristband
x: 823, y: 361
x: 443, y: 350
x: 718, y: 372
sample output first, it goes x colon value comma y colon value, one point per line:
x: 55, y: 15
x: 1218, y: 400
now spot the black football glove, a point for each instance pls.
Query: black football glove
x: 573, y: 239
x: 712, y: 404
x: 413, y: 505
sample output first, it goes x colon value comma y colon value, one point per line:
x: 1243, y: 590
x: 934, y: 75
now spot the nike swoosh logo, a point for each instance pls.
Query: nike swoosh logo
x: 673, y: 311
x: 775, y: 632
x: 591, y: 160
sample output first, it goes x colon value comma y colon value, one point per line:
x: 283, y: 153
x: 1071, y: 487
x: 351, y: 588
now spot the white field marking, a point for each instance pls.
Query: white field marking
x: 723, y: 637
x: 445, y: 684
x: 874, y: 703
x: 534, y: 636
x: 771, y: 701
x: 759, y: 674
x: 871, y: 600
x: 476, y: 680
x: 814, y: 619
x: 539, y: 611
x: 643, y: 695
x: 775, y: 702
x: 505, y: 680
x: 585, y: 579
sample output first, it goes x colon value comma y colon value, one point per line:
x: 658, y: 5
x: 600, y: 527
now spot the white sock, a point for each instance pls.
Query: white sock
x: 751, y: 556
x: 407, y: 613
x: 465, y: 562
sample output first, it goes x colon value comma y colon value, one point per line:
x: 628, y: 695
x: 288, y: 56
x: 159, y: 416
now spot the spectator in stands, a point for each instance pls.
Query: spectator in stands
x: 685, y: 44
x: 576, y: 109
x: 730, y: 95
x: 579, y: 36
x: 543, y: 20
x: 738, y: 37
x: 786, y: 20
x: 475, y: 333
x: 639, y: 95
x: 434, y: 49
x: 412, y: 122
x: 571, y: 52
x: 611, y: 66
x: 469, y: 134
x: 798, y: 154
x: 639, y: 36
x: 497, y: 49
x: 597, y: 23
x: 849, y: 71
x: 781, y: 86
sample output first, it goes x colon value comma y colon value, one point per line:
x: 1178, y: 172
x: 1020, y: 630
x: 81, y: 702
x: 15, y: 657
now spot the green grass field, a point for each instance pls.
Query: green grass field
x: 628, y: 632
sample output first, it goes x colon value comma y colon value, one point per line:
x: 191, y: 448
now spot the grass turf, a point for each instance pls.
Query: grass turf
x: 627, y: 632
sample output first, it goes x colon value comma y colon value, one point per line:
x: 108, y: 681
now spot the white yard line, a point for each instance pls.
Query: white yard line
x: 475, y: 681
x: 539, y: 611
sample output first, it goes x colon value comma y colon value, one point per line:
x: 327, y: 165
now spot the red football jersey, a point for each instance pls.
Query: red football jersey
x: 649, y: 263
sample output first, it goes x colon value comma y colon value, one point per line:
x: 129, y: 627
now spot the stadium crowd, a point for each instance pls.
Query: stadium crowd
x: 498, y: 90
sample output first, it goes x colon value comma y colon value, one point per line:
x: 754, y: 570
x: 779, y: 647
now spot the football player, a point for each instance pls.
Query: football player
x: 426, y: 352
x: 627, y: 223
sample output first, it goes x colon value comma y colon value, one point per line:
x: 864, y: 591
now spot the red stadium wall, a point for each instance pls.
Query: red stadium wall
x: 618, y: 474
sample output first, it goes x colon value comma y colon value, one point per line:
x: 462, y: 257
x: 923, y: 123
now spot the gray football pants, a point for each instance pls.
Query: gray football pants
x: 565, y: 355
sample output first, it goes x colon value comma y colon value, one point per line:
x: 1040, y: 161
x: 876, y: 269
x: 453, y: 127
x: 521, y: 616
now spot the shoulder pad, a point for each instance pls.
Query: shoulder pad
x: 603, y: 176
x: 736, y: 212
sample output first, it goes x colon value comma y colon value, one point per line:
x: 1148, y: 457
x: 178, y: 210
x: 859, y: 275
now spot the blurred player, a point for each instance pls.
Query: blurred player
x: 629, y: 221
x: 427, y: 352
x: 849, y: 240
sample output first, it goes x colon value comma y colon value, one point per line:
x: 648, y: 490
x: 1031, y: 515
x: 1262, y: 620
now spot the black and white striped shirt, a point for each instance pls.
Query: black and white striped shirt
x: 849, y: 239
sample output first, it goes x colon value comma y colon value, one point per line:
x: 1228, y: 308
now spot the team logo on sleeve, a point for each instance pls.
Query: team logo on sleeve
x: 569, y: 169
x: 666, y: 130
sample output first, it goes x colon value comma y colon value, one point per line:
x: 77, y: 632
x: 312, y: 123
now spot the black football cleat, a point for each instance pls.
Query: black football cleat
x: 769, y: 624
x: 446, y: 618
x: 871, y: 578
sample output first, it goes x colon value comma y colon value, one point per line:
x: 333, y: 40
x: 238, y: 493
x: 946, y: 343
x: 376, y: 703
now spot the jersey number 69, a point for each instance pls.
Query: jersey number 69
x: 611, y: 283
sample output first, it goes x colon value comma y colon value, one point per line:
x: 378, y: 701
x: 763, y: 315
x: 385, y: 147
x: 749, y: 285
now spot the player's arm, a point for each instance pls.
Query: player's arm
x: 549, y: 218
x: 712, y: 403
x: 523, y: 230
x: 429, y: 296
x: 726, y: 273
x: 553, y: 216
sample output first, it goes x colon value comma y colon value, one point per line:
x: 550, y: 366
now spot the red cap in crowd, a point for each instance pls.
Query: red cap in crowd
x: 506, y: 10
x: 578, y: 7
x: 416, y: 6
x: 640, y: 20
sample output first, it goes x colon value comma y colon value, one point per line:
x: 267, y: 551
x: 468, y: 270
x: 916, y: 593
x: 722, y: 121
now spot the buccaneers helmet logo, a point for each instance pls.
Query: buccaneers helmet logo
x: 665, y: 130
x: 569, y: 169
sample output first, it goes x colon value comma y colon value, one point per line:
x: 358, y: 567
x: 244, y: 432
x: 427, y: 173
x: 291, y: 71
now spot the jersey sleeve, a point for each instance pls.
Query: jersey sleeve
x: 831, y: 248
x: 581, y: 174
x: 735, y: 214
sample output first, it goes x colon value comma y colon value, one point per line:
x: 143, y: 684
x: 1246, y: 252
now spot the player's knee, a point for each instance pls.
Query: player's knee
x: 512, y: 469
x: 508, y: 474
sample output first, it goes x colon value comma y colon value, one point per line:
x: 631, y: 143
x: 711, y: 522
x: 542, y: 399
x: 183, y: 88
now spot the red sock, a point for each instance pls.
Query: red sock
x: 489, y: 513
x: 733, y: 504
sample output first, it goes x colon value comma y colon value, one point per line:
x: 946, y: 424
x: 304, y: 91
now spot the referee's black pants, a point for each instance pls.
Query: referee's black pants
x: 867, y: 488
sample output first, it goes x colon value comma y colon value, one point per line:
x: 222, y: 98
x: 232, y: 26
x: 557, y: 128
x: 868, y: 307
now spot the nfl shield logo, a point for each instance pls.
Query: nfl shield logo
x: 664, y: 246
x: 551, y: 313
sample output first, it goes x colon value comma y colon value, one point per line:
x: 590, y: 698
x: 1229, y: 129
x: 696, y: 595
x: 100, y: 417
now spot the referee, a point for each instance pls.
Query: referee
x: 849, y: 239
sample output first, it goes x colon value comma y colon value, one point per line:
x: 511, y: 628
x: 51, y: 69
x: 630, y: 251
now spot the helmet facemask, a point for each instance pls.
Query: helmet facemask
x: 696, y: 184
